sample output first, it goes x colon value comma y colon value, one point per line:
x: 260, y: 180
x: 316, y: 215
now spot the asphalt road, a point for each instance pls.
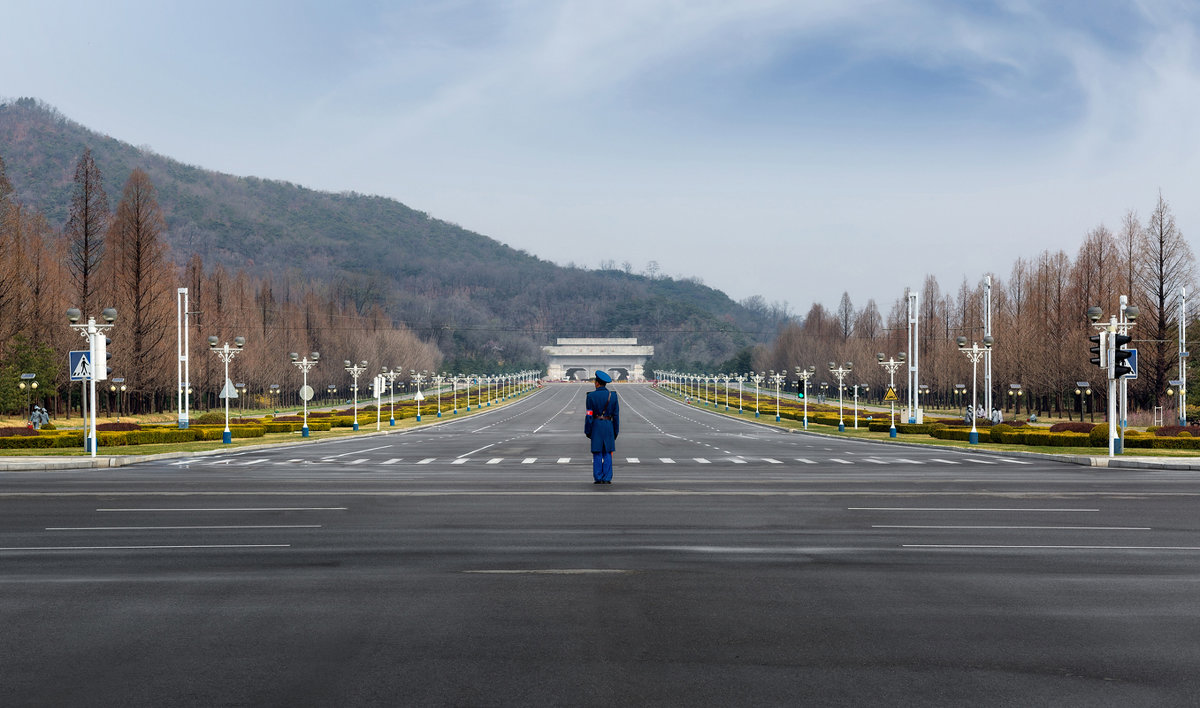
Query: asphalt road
x: 474, y: 563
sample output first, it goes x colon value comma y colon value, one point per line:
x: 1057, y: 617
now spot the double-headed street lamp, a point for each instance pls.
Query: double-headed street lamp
x: 892, y: 365
x: 1177, y: 388
x: 226, y: 354
x: 777, y: 379
x: 355, y: 370
x: 804, y: 375
x: 437, y: 382
x: 840, y: 372
x: 390, y: 375
x: 1083, y: 388
x: 739, y: 378
x: 865, y: 388
x: 418, y: 396
x: 28, y: 384
x: 97, y: 357
x: 975, y: 354
x: 757, y: 378
x: 306, y: 392
x: 118, y: 387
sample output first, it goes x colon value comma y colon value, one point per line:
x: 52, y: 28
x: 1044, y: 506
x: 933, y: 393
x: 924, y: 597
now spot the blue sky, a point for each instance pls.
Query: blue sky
x: 784, y: 148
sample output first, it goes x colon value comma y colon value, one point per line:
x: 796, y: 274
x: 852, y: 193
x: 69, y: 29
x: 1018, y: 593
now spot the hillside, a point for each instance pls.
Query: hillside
x: 481, y: 301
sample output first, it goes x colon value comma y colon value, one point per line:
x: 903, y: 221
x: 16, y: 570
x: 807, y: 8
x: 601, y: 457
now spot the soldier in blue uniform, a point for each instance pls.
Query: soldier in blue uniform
x: 602, y: 425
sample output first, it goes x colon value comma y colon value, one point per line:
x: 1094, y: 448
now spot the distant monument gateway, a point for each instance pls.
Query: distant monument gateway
x: 578, y: 359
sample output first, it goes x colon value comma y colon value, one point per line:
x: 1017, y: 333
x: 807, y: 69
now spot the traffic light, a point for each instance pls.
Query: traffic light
x: 799, y: 389
x: 1120, y: 368
x: 1100, y: 351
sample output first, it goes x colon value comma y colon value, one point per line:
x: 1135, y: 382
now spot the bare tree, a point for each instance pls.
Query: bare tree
x: 1164, y: 264
x: 85, y: 231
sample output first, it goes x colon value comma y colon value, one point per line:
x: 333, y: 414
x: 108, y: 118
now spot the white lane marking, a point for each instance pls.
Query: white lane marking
x: 1051, y: 548
x: 946, y: 462
x: 392, y: 461
x: 907, y: 461
x: 874, y: 461
x: 633, y: 460
x: 373, y: 449
x: 701, y: 460
x: 145, y: 548
x: 666, y: 460
x: 465, y: 454
x: 1011, y: 528
x: 358, y: 462
x: 552, y: 571
x: 984, y: 462
x: 1015, y: 462
x: 840, y: 461
x: 256, y: 461
x: 426, y: 461
x: 774, y: 462
x: 563, y: 460
x: 180, y: 528
x: 936, y: 508
x: 805, y: 461
x: 529, y: 460
x: 495, y: 460
x: 460, y: 460
x: 737, y: 460
x: 239, y: 508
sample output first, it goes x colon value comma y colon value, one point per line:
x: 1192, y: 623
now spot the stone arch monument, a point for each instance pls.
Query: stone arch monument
x: 575, y: 359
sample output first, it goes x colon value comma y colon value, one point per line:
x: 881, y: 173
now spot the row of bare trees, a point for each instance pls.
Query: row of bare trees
x: 1039, y: 322
x: 120, y: 258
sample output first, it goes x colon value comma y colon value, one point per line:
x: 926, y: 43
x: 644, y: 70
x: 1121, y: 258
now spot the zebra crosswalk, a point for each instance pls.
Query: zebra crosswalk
x: 831, y: 462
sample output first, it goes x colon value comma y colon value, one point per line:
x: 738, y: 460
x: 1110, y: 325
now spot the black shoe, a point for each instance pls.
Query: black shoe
x: 597, y: 482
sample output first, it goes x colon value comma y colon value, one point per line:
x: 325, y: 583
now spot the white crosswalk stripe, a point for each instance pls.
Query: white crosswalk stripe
x: 702, y: 461
x: 632, y: 460
x: 774, y: 462
x: 461, y: 461
x: 841, y: 461
x: 495, y: 460
x: 666, y: 460
x: 564, y: 460
x: 359, y: 461
x: 737, y: 460
x: 805, y: 461
x: 529, y: 460
x: 426, y: 461
x: 392, y: 461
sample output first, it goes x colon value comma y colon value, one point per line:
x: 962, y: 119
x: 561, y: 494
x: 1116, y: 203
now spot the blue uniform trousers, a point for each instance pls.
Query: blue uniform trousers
x: 602, y: 466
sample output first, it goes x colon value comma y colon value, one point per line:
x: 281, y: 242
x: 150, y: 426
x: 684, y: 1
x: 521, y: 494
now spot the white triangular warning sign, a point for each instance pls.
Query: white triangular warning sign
x: 891, y: 395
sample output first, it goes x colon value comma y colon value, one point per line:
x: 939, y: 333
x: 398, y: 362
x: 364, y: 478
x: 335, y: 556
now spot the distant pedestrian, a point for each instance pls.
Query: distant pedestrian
x: 601, y: 425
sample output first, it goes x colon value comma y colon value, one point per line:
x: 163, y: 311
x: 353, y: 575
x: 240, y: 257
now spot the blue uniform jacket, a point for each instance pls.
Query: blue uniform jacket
x: 603, y: 433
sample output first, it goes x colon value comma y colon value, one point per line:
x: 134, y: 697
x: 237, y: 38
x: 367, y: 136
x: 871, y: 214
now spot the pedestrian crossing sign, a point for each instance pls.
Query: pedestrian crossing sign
x: 80, y: 365
x: 891, y: 395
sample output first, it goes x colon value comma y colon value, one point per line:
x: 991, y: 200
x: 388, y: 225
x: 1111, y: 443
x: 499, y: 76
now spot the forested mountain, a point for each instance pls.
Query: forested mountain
x: 484, y: 304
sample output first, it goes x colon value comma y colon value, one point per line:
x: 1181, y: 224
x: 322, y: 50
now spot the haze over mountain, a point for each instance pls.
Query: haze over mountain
x: 479, y: 300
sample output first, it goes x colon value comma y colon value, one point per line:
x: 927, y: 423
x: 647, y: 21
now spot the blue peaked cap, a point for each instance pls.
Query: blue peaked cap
x: 604, y: 378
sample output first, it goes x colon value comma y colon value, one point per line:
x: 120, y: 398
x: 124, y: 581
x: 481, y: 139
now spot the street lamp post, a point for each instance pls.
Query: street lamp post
x: 739, y: 378
x: 273, y: 393
x: 418, y: 396
x: 97, y: 355
x: 29, y: 384
x: 892, y: 365
x: 865, y: 388
x: 437, y: 382
x: 757, y: 379
x: 390, y: 375
x: 840, y: 372
x: 454, y: 388
x: 226, y: 354
x: 118, y: 387
x: 1177, y: 387
x: 975, y: 354
x: 805, y: 375
x: 355, y: 370
x: 306, y: 393
x: 777, y: 379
